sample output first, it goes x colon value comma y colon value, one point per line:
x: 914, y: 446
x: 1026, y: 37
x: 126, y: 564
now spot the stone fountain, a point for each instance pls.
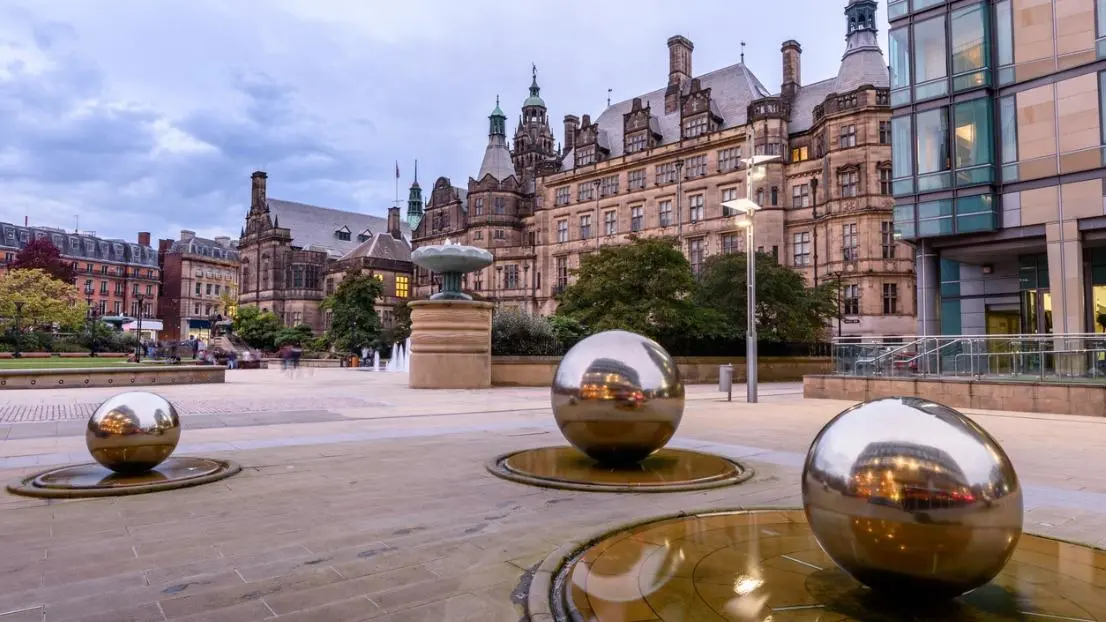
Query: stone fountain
x: 451, y: 334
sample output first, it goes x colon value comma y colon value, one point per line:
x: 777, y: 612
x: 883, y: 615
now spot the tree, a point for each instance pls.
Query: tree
x: 41, y: 254
x: 47, y: 302
x: 787, y: 310
x: 257, y: 328
x: 298, y: 335
x: 400, y: 329
x: 353, y: 319
x: 645, y: 286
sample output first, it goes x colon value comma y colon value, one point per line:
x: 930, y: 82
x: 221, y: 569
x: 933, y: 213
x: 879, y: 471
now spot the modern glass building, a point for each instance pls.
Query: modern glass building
x: 998, y: 139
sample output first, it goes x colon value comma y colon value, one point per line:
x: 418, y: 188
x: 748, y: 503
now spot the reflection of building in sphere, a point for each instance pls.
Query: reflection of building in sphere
x: 910, y: 475
x: 608, y: 379
x: 617, y: 397
x: 133, y: 432
x: 910, y: 496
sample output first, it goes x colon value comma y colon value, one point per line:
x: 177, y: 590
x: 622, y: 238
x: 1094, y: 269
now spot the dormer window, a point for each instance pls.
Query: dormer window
x: 696, y: 127
x: 637, y: 142
x: 585, y: 156
x: 362, y: 237
x: 343, y: 234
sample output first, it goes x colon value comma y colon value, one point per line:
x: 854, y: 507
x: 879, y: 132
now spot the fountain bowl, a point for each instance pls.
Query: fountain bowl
x: 451, y: 261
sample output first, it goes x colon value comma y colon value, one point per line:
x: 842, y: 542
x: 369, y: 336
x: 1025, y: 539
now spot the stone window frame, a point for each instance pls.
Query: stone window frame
x: 696, y: 126
x: 850, y: 242
x: 610, y: 222
x: 562, y: 196
x: 637, y: 142
x: 637, y: 217
x: 695, y: 207
x: 848, y: 181
x: 847, y: 136
x: 801, y: 249
x: 850, y: 299
x: 890, y: 298
x: 665, y: 173
x: 635, y: 179
x: 585, y: 225
x: 664, y: 212
x: 800, y: 195
x: 562, y: 230
x: 695, y: 166
x: 729, y: 159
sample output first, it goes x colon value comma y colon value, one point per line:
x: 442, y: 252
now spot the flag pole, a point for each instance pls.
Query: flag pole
x: 397, y: 184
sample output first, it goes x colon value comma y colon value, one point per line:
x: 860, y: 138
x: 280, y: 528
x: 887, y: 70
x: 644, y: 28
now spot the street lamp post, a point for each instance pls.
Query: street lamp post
x: 18, y: 328
x: 749, y: 207
x: 138, y: 350
x: 595, y: 189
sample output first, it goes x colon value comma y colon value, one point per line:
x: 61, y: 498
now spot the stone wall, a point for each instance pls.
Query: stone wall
x: 537, y: 371
x: 111, y: 377
x: 1039, y: 397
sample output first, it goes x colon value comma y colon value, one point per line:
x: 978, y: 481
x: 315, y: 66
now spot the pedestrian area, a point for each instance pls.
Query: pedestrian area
x: 361, y: 499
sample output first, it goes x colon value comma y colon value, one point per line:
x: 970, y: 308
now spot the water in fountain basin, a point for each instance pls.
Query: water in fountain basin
x: 376, y: 360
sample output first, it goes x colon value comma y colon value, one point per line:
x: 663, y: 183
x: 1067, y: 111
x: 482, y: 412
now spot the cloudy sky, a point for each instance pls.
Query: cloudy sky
x: 151, y: 114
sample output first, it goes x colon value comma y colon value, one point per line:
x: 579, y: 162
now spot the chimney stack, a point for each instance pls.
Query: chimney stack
x: 679, y: 71
x: 186, y: 235
x: 792, y: 77
x: 572, y: 123
x: 393, y: 223
x: 143, y: 238
x: 258, y: 198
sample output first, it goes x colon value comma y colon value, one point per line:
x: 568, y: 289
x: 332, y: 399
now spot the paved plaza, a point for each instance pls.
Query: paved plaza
x: 362, y: 499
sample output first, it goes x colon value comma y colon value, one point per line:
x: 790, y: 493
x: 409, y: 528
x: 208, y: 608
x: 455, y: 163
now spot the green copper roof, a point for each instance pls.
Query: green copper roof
x: 534, y: 99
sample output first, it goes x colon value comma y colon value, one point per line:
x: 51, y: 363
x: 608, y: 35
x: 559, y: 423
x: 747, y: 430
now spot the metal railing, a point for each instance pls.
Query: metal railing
x: 1014, y: 357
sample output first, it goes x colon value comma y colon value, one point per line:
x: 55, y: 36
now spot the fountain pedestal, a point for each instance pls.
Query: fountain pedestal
x: 451, y: 344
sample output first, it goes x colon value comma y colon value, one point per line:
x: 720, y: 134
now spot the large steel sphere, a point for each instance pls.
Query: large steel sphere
x: 912, y: 497
x: 133, y: 432
x: 617, y: 397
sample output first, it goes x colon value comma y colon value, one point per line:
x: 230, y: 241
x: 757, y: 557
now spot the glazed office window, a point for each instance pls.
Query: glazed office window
x: 930, y: 59
x: 800, y: 154
x: 729, y: 159
x: 403, y: 286
x: 585, y: 156
x: 562, y: 231
x: 972, y: 141
x: 695, y: 166
x: 637, y: 218
x: 884, y: 180
x: 635, y: 179
x: 800, y: 247
x: 510, y: 277
x: 1100, y: 27
x: 732, y: 243
x: 585, y: 226
x: 774, y: 196
x: 885, y: 132
x: 935, y: 218
x: 933, y: 150
x: 561, y: 267
x: 848, y: 183
x: 905, y: 227
x: 1008, y: 136
x: 969, y: 48
x: 848, y: 136
x: 851, y: 300
x: 902, y: 155
x: 975, y: 214
x: 696, y: 127
x: 696, y: 254
x: 637, y: 142
x: 500, y: 205
x: 562, y: 196
x: 585, y: 191
x: 800, y: 195
x: 608, y: 186
x: 849, y: 242
x: 890, y: 298
x: 887, y: 239
x: 695, y: 207
x: 664, y: 213
x: 666, y: 173
x: 897, y: 8
x: 1004, y: 40
x: 610, y: 223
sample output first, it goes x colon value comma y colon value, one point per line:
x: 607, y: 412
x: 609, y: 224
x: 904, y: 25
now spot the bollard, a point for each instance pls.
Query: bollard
x: 725, y: 381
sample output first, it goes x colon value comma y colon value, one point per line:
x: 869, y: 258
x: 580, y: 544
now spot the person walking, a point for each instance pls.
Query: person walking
x: 195, y: 346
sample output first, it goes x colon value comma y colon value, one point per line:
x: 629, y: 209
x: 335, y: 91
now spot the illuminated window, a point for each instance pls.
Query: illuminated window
x: 403, y: 286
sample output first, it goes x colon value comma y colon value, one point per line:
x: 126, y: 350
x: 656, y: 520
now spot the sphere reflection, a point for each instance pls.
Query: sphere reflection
x: 617, y: 397
x: 907, y: 495
x: 133, y: 432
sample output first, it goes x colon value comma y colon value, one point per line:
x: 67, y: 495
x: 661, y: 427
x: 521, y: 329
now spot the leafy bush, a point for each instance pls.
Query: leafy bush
x: 522, y: 334
x: 568, y: 331
x: 297, y: 335
x: 68, y: 345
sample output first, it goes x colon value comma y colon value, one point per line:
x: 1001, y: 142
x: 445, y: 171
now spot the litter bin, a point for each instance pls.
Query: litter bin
x: 725, y: 380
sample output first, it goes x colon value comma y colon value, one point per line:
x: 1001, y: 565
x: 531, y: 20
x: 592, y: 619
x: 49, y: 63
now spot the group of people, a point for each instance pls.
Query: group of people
x: 290, y: 354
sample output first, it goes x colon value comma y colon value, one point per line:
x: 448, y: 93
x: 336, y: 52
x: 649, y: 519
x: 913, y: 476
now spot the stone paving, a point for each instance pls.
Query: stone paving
x: 381, y: 508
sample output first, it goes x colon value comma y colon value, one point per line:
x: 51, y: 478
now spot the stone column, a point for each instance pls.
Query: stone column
x: 927, y: 286
x: 1065, y: 276
x: 451, y: 344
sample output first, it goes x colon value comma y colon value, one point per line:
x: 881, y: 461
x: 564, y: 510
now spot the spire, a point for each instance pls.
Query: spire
x: 863, y: 61
x: 535, y: 100
x: 414, y: 201
x: 498, y: 125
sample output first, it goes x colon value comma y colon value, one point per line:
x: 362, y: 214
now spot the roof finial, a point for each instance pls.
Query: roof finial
x: 742, y: 52
x: 609, y: 91
x: 497, y: 100
x: 416, y: 170
x: 534, y: 70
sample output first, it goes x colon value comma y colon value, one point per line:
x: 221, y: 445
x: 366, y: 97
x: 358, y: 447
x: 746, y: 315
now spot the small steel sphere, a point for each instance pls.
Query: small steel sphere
x: 912, y: 497
x: 133, y: 432
x: 617, y: 397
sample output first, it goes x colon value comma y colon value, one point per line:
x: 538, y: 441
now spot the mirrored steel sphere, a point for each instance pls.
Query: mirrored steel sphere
x: 912, y: 497
x: 617, y: 397
x: 133, y: 432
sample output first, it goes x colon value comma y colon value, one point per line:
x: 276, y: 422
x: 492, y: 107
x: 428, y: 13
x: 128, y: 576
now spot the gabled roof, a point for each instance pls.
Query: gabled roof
x: 382, y: 246
x: 313, y: 226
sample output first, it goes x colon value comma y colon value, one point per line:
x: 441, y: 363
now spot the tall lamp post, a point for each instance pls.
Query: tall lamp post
x: 138, y: 350
x: 749, y: 207
x: 18, y: 328
x: 595, y: 189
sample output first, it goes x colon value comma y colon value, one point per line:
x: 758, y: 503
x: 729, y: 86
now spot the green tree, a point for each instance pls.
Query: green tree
x: 46, y: 301
x: 568, y: 331
x: 400, y: 329
x: 645, y: 286
x: 787, y: 310
x: 257, y: 328
x: 353, y: 319
x: 297, y: 335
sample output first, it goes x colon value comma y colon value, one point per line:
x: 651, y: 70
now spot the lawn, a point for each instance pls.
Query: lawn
x: 66, y: 363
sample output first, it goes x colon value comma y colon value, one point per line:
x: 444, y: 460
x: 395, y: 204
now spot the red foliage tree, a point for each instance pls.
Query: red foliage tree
x: 42, y: 254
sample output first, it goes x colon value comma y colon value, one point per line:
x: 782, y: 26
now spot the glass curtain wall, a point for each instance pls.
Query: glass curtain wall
x: 933, y: 150
x: 930, y: 60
